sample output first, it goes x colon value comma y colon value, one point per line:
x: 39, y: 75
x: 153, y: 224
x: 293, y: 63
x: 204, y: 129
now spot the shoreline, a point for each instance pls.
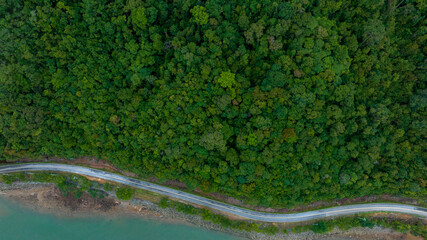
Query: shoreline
x: 100, y: 164
x: 47, y: 199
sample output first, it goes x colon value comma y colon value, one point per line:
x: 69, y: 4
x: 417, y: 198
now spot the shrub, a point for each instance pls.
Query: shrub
x: 8, y: 179
x: 124, y: 193
x: 319, y: 227
x: 108, y: 187
x: 21, y: 176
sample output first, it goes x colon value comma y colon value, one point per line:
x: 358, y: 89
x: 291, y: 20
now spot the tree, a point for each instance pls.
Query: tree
x: 374, y: 31
x: 319, y: 227
x: 108, y: 187
x: 138, y: 17
x: 8, y: 179
x: 213, y: 140
x: 227, y: 79
x: 275, y: 78
x: 200, y: 16
x: 277, y: 102
x: 124, y: 193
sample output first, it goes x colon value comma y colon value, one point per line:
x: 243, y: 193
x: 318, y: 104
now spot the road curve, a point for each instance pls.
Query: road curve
x: 241, y: 212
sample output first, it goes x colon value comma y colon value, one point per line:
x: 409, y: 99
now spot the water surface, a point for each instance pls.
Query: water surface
x: 21, y: 223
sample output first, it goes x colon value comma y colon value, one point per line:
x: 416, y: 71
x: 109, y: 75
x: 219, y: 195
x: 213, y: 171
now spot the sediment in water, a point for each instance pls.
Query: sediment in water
x: 47, y: 198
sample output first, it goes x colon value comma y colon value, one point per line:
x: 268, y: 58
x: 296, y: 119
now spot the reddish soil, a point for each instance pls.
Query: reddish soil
x: 101, y: 164
x: 86, y: 161
x: 83, y: 203
x: 50, y: 199
x: 307, y: 207
x: 317, y: 204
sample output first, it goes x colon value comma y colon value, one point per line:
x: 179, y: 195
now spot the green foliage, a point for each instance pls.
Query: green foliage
x: 21, y: 176
x: 200, y: 16
x: 345, y: 223
x: 374, y: 31
x: 43, y: 177
x: 138, y: 17
x: 8, y: 179
x: 366, y: 223
x: 66, y: 188
x: 124, y: 193
x: 274, y: 78
x: 83, y: 183
x: 164, y: 203
x: 221, y: 220
x: 74, y: 184
x: 227, y: 79
x: 77, y: 193
x: 96, y: 193
x: 263, y: 102
x: 319, y: 227
x: 270, y: 230
x: 108, y: 187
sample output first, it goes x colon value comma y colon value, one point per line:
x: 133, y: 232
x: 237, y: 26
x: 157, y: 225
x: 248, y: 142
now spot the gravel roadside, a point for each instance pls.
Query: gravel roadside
x: 46, y: 198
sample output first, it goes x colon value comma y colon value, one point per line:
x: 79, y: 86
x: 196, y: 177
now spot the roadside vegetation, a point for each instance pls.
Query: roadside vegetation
x: 72, y: 184
x: 124, y: 193
x: 417, y: 228
x: 219, y: 219
x: 76, y: 185
x: 277, y: 103
x: 324, y: 226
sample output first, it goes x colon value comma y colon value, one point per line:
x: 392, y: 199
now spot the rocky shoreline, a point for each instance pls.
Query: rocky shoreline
x: 46, y: 198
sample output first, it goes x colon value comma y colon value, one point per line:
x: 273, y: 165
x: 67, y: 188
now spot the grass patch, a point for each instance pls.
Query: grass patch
x: 147, y: 195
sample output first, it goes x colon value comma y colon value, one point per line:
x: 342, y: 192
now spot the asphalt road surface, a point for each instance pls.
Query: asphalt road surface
x: 202, y: 201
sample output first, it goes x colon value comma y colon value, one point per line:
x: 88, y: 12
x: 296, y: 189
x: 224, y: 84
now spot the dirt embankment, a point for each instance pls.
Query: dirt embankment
x: 47, y: 198
x: 101, y: 164
x: 86, y: 161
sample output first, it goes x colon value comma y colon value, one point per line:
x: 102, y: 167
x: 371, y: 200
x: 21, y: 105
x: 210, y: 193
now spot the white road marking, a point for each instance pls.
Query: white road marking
x: 246, y: 213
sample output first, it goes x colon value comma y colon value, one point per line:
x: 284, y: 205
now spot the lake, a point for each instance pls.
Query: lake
x: 21, y: 223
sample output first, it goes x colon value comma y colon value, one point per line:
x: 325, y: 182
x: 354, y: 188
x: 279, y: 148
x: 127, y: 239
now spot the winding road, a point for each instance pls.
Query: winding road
x: 202, y: 201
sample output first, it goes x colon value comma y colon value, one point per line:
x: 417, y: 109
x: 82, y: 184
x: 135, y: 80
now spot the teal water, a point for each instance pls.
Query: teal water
x: 20, y: 223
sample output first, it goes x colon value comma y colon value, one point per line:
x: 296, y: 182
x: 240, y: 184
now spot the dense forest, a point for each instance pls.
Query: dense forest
x: 276, y: 103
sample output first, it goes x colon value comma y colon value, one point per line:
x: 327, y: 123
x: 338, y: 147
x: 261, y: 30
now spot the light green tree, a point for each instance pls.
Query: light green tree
x: 252, y: 139
x: 227, y: 79
x: 200, y: 16
x: 138, y: 17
